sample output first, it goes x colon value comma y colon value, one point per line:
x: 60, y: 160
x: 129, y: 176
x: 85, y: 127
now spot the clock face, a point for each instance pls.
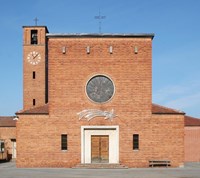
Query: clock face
x: 34, y: 57
x: 100, y: 89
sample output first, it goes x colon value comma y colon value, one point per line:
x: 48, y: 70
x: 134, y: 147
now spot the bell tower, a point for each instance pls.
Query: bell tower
x: 35, y: 66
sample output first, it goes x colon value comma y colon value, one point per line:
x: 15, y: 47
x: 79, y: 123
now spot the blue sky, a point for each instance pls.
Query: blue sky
x: 176, y: 46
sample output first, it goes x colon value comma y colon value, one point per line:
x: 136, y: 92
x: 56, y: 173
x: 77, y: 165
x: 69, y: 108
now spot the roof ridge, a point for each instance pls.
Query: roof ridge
x: 124, y: 35
x: 166, y: 108
x: 44, y: 109
x: 192, y: 121
x: 191, y: 117
x: 7, y: 121
x: 2, y: 117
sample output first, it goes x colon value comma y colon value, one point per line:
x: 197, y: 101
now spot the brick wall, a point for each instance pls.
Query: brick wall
x: 130, y: 72
x: 6, y: 134
x: 39, y: 136
x: 168, y: 138
x: 192, y: 144
x: 69, y: 73
x: 39, y: 140
x: 34, y: 88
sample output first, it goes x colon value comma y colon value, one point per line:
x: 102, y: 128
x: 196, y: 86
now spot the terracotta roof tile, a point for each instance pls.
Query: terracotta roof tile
x: 192, y: 121
x: 7, y: 121
x: 37, y: 110
x: 158, y: 109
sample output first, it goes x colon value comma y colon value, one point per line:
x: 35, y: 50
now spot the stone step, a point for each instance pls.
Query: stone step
x: 100, y: 166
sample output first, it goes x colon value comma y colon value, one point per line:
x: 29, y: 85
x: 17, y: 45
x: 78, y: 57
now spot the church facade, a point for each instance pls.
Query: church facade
x: 88, y: 100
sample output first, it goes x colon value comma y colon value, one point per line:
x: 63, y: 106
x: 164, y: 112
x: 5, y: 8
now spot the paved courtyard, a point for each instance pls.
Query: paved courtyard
x: 9, y: 170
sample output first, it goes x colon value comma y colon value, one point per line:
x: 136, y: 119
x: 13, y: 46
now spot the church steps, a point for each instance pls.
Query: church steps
x: 100, y: 166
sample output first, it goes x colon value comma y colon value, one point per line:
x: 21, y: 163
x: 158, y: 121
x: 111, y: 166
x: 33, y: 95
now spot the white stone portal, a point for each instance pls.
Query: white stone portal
x: 88, y: 131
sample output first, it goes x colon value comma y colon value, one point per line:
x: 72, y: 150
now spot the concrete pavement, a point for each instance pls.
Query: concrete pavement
x: 9, y: 170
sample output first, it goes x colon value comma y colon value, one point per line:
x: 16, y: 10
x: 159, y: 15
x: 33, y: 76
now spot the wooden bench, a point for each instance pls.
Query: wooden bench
x: 153, y: 163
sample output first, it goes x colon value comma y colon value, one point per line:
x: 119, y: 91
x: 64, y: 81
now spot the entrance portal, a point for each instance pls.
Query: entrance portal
x: 99, y: 148
x: 99, y: 144
x: 13, y: 148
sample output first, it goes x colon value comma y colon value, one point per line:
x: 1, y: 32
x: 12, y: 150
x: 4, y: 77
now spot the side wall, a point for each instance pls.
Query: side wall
x: 168, y: 138
x: 192, y: 144
x: 6, y: 134
x: 34, y: 141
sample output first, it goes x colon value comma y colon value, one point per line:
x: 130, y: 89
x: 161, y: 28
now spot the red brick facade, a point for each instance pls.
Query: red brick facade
x: 34, y: 88
x: 8, y: 137
x: 129, y: 66
x: 192, y: 139
x: 168, y: 138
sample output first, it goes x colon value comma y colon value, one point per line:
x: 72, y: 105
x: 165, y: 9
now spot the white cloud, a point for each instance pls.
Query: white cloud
x: 184, y: 96
x: 167, y: 92
x: 185, y: 102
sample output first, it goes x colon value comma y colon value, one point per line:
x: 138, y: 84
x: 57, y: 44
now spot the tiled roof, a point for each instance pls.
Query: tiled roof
x: 7, y: 121
x: 96, y: 35
x: 192, y: 121
x: 158, y: 109
x: 37, y: 110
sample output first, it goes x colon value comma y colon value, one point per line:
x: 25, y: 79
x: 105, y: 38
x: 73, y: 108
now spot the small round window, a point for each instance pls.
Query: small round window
x: 100, y: 89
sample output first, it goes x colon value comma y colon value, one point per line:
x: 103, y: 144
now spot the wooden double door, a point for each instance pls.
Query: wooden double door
x: 100, y: 149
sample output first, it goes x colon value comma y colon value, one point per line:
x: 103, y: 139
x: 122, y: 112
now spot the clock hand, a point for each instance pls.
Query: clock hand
x: 35, y: 56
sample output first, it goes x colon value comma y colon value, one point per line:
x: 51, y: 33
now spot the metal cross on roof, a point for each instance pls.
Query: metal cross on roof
x: 36, y: 20
x: 100, y: 17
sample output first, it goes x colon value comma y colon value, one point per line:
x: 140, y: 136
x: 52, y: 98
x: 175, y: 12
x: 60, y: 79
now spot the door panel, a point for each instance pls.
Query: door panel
x: 104, y: 149
x: 13, y: 148
x: 100, y: 148
x: 95, y: 148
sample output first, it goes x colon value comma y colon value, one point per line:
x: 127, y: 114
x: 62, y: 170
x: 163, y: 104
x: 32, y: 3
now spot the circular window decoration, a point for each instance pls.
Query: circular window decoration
x: 100, y: 89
